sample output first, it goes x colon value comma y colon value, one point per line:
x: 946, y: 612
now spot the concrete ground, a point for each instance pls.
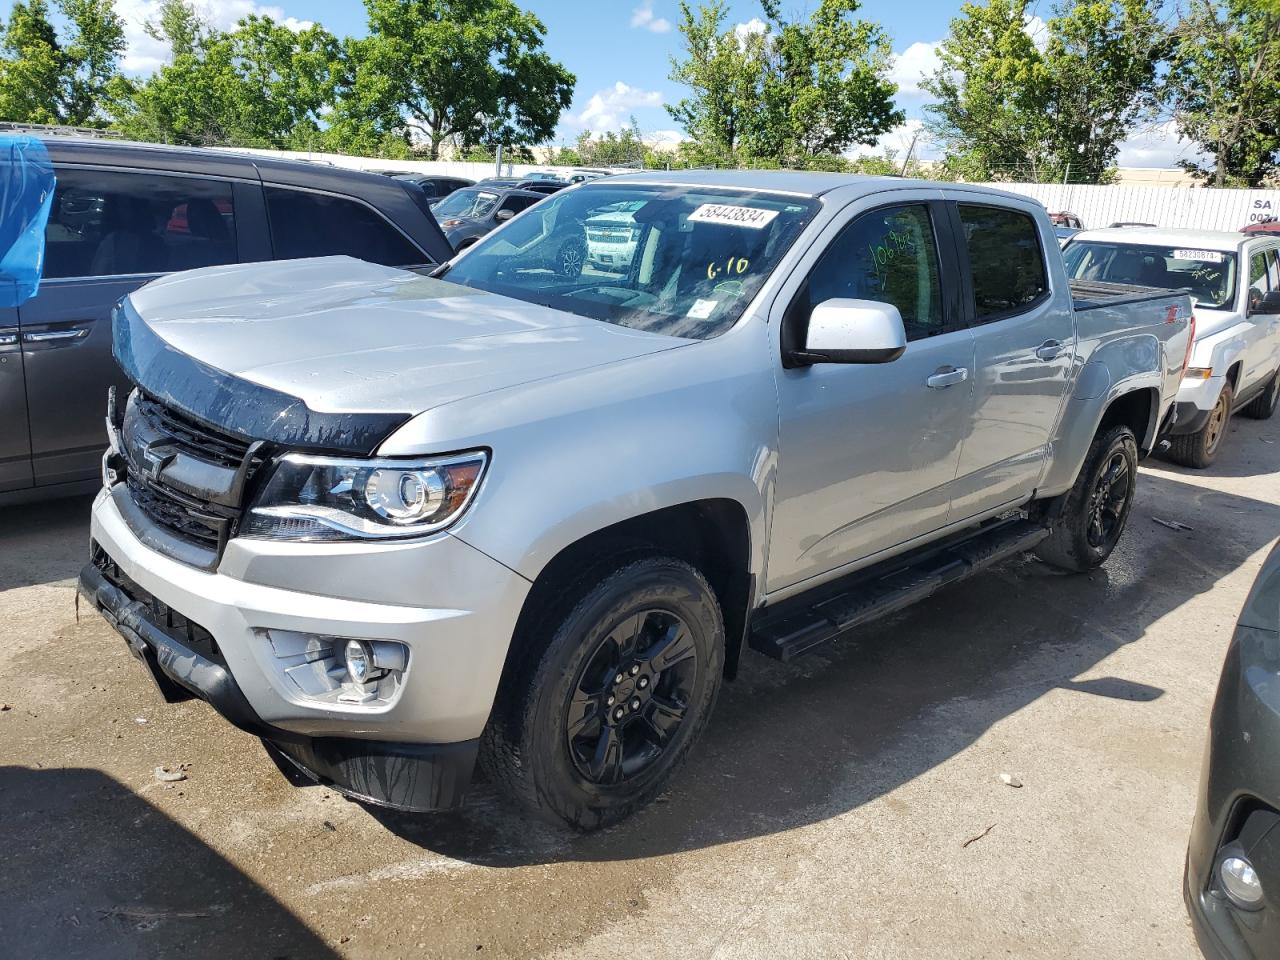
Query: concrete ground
x: 849, y: 805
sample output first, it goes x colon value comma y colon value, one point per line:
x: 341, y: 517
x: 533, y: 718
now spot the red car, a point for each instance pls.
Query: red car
x: 1270, y: 225
x: 1064, y: 219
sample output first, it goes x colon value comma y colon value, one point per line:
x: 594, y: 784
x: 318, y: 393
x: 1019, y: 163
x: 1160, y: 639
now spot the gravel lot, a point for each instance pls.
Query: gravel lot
x: 830, y: 812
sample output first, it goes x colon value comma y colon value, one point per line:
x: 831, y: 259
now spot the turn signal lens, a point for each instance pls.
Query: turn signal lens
x: 1197, y: 373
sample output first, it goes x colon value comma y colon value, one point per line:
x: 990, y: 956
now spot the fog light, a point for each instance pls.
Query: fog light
x: 1240, y: 882
x: 359, y: 660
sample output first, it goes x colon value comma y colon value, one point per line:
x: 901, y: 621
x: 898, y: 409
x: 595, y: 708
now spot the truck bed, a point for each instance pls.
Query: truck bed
x: 1091, y: 294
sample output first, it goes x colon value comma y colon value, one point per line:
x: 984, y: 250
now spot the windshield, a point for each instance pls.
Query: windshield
x: 668, y: 260
x: 465, y: 203
x: 1210, y: 275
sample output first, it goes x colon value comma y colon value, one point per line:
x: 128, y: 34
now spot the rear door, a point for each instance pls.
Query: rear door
x: 110, y: 231
x: 1024, y: 333
x: 15, y: 441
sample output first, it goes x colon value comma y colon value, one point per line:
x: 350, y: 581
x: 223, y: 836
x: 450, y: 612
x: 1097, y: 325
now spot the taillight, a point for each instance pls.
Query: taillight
x: 1191, y: 342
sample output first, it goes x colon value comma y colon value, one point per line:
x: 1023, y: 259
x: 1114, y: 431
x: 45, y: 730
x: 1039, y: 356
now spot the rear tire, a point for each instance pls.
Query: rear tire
x: 1198, y: 450
x: 607, y: 694
x: 1264, y: 404
x: 1098, y: 505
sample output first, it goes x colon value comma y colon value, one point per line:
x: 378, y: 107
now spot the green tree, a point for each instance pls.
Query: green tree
x: 791, y: 93
x: 260, y: 84
x: 1223, y: 88
x: 437, y: 70
x: 1004, y: 109
x: 47, y: 78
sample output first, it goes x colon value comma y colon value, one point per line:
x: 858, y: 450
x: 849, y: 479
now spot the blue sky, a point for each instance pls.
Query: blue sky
x: 620, y: 51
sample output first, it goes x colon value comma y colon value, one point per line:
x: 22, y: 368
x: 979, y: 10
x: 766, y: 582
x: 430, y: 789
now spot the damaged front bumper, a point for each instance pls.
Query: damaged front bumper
x: 215, y: 636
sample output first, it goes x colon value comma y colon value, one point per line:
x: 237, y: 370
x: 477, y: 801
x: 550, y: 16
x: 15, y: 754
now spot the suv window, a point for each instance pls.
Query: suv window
x: 1273, y: 269
x: 517, y: 203
x: 1005, y: 258
x: 889, y: 255
x: 106, y: 223
x: 305, y: 224
x: 1257, y: 277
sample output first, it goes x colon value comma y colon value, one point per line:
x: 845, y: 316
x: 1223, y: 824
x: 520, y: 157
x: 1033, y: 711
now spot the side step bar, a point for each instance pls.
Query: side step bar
x: 799, y: 624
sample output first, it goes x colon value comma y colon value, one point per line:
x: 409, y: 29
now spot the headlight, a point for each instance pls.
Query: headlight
x: 327, y: 498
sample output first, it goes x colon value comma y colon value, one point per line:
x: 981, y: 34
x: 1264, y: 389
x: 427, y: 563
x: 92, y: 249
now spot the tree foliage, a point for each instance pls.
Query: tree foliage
x: 469, y: 70
x: 790, y: 92
x: 46, y: 77
x: 1223, y: 88
x: 1006, y: 108
x: 260, y: 84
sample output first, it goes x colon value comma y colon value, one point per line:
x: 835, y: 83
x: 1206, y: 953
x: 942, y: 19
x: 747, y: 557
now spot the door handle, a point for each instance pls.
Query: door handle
x: 8, y: 338
x: 1049, y: 350
x: 56, y: 336
x: 947, y: 376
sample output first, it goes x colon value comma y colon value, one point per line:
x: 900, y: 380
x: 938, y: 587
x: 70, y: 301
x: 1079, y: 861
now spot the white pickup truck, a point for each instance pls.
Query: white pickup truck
x: 1235, y: 280
x: 531, y: 515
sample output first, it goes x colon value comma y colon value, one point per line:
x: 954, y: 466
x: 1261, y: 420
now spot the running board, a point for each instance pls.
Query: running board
x: 801, y: 623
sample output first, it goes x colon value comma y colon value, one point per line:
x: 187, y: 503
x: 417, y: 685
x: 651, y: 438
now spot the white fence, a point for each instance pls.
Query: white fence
x: 1195, y: 207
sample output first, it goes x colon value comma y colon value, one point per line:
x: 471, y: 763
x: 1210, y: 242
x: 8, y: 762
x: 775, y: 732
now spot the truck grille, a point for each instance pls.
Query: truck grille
x: 185, y: 476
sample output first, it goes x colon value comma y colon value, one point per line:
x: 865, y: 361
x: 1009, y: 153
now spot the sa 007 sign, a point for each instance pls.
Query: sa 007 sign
x: 1261, y: 210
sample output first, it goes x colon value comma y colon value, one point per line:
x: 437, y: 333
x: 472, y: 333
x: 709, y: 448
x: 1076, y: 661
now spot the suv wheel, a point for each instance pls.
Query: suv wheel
x: 1097, y: 507
x: 603, y: 703
x: 1263, y: 406
x: 1200, y: 449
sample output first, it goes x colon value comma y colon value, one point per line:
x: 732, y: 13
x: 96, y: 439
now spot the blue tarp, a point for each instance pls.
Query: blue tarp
x: 26, y: 197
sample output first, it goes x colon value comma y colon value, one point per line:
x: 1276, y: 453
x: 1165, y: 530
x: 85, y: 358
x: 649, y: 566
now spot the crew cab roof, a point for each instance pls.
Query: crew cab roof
x: 1184, y: 237
x: 802, y: 183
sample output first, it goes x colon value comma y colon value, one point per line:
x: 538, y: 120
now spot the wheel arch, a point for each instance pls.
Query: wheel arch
x: 711, y: 535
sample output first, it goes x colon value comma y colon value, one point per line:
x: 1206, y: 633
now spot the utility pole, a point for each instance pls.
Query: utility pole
x: 911, y: 149
x: 497, y: 163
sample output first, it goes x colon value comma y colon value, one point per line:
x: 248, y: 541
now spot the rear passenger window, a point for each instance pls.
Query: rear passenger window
x: 305, y: 224
x: 888, y: 255
x: 106, y: 223
x: 1005, y: 258
x: 1257, y: 279
x: 517, y: 204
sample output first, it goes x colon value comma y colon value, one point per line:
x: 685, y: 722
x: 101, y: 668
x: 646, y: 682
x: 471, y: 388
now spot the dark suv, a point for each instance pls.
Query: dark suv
x: 125, y: 213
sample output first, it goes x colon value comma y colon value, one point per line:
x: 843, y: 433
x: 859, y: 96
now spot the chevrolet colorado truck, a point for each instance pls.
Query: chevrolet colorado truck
x: 395, y: 525
x: 1235, y: 359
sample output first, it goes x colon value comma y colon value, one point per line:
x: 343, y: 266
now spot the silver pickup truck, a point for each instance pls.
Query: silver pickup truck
x: 532, y: 514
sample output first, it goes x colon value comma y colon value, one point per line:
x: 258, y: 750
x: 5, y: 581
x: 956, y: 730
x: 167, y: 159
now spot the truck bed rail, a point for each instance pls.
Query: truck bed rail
x: 1091, y: 294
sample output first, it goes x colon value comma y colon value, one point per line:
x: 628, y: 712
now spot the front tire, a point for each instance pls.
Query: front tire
x: 1198, y: 450
x: 604, y: 700
x: 1098, y: 505
x: 1263, y: 406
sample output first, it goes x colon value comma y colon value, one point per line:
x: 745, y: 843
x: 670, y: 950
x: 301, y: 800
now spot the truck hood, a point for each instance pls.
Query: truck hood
x: 344, y: 336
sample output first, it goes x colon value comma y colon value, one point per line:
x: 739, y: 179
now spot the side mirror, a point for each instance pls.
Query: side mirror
x: 502, y: 216
x: 1269, y: 303
x: 853, y: 331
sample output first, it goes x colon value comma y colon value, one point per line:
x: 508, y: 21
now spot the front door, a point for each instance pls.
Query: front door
x: 868, y: 452
x: 1024, y: 340
x: 15, y: 445
x: 110, y: 231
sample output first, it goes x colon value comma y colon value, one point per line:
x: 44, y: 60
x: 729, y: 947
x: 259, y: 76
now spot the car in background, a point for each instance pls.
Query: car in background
x: 467, y: 215
x: 536, y: 185
x: 1064, y: 219
x: 1269, y: 225
x: 435, y: 187
x: 1064, y: 234
x: 125, y: 213
x: 1231, y: 883
x: 612, y: 235
x: 1235, y: 280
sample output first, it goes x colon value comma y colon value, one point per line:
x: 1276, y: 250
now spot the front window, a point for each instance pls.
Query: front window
x: 471, y: 204
x: 668, y: 260
x: 1210, y: 275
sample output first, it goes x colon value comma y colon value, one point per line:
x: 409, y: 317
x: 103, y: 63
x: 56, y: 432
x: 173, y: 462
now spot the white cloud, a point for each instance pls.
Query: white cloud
x: 1157, y: 146
x: 642, y: 17
x: 144, y: 54
x: 744, y: 30
x: 898, y: 141
x: 914, y: 63
x: 611, y: 107
x: 1035, y: 28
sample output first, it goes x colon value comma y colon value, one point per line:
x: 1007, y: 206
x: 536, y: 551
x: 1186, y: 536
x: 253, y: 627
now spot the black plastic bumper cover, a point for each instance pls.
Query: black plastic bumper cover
x: 1190, y: 419
x: 405, y: 776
